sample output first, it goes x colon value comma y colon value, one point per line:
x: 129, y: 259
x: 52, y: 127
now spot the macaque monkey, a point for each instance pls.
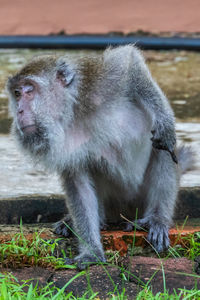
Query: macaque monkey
x: 108, y: 130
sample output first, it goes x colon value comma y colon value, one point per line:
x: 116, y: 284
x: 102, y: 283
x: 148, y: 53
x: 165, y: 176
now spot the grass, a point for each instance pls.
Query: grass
x: 191, y: 246
x: 20, y: 252
x: 183, y: 294
x: 11, y: 289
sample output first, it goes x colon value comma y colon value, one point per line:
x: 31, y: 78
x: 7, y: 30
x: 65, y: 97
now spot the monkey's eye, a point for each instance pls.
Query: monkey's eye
x: 17, y: 93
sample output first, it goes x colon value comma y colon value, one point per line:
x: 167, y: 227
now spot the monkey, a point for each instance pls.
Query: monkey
x: 105, y: 126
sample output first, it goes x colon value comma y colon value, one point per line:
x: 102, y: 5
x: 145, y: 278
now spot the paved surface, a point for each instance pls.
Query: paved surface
x: 98, y: 16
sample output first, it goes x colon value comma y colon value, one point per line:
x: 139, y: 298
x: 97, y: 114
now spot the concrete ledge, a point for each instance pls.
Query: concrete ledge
x: 32, y: 209
x: 188, y: 203
x: 51, y: 208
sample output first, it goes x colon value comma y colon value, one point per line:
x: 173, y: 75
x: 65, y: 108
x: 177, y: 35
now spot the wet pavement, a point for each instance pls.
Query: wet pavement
x: 18, y: 176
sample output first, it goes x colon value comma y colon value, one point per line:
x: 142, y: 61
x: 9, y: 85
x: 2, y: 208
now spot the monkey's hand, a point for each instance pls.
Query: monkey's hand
x: 158, y: 233
x: 165, y: 139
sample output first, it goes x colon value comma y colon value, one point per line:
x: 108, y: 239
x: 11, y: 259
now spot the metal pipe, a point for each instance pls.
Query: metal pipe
x: 98, y: 42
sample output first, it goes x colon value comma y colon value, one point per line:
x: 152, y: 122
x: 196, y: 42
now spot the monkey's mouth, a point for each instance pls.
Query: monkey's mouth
x: 29, y: 128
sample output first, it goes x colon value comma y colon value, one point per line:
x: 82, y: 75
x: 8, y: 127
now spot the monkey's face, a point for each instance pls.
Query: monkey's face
x: 27, y: 122
x: 41, y: 103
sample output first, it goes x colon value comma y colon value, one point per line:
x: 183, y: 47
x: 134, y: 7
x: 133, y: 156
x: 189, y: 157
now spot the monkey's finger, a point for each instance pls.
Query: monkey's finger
x: 160, y: 147
x: 173, y: 156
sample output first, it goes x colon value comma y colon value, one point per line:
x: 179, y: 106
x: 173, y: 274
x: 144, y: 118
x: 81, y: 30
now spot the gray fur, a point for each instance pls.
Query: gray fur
x: 97, y: 128
x: 186, y: 156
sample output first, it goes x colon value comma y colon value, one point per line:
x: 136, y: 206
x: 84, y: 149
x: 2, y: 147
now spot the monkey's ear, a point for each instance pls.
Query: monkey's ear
x: 65, y: 74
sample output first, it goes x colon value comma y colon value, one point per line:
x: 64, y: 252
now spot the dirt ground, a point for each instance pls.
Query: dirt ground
x: 98, y: 16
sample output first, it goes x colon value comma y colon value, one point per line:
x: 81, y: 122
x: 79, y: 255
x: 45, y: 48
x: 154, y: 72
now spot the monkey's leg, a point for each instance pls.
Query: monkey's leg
x: 83, y: 208
x: 160, y: 191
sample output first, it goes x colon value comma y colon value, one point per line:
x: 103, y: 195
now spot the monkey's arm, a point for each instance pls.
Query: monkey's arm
x: 147, y: 92
x: 83, y: 208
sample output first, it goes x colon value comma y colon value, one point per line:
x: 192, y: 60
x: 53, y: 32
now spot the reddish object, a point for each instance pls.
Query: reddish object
x: 115, y: 240
x: 121, y: 241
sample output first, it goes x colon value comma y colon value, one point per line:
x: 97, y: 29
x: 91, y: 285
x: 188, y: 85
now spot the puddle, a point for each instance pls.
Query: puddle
x: 178, y: 74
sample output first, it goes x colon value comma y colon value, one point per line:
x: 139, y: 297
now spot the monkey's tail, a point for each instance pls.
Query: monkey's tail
x: 186, y: 159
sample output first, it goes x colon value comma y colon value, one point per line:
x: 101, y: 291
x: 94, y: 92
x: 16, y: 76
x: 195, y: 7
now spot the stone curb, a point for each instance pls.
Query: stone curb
x: 51, y: 208
x: 32, y: 209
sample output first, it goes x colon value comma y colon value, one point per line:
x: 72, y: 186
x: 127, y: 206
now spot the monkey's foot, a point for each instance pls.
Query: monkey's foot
x: 158, y: 233
x: 84, y: 261
x: 61, y: 228
x: 130, y: 226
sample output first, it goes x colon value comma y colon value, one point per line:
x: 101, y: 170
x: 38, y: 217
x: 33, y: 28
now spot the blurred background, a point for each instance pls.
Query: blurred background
x: 176, y: 71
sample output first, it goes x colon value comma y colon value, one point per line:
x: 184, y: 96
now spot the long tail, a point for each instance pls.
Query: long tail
x: 186, y: 159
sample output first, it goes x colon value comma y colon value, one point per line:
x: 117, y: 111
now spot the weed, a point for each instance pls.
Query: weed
x: 20, y: 252
x: 189, y: 247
